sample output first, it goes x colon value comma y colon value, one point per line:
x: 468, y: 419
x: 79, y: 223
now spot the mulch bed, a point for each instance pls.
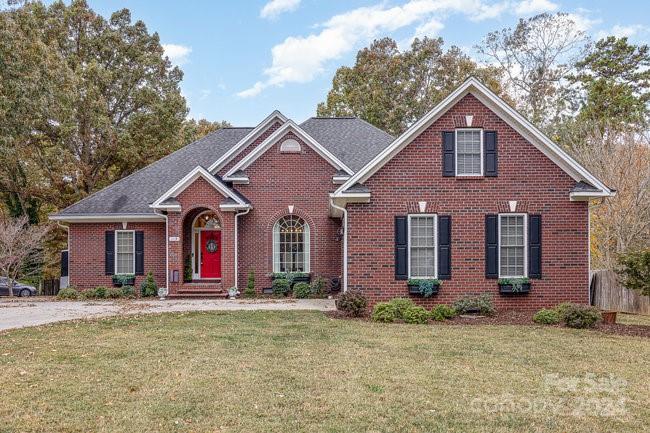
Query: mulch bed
x: 518, y: 318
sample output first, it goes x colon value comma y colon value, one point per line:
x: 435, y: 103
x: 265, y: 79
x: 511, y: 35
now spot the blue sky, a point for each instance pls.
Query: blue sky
x: 243, y: 59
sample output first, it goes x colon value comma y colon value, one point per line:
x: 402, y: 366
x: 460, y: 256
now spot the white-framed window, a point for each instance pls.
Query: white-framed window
x: 423, y: 246
x: 124, y: 252
x: 513, y: 245
x: 469, y: 152
x: 291, y: 245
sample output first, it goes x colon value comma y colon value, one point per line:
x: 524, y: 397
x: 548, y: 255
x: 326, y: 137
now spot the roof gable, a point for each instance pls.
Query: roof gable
x: 501, y: 109
x: 167, y: 200
x: 289, y: 126
x: 239, y: 147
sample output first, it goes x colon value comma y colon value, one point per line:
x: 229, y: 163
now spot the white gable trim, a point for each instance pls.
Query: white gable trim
x: 248, y: 139
x: 289, y: 126
x: 505, y: 112
x: 101, y: 218
x: 187, y: 181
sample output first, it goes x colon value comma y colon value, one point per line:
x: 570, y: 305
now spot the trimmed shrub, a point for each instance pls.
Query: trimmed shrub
x: 319, y: 286
x: 128, y: 291
x: 384, y: 312
x: 481, y: 304
x: 68, y: 293
x: 100, y: 292
x: 581, y: 316
x: 547, y: 317
x: 249, y: 291
x: 148, y: 286
x: 301, y: 290
x: 562, y: 309
x: 442, y: 312
x: 352, y: 303
x: 281, y: 287
x: 400, y: 305
x: 114, y: 292
x: 88, y: 294
x: 415, y: 315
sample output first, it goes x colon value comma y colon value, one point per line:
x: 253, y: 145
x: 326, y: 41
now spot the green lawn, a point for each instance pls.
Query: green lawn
x: 301, y: 371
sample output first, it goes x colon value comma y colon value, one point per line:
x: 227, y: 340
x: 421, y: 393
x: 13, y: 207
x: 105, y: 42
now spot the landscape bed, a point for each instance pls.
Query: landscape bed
x: 304, y: 371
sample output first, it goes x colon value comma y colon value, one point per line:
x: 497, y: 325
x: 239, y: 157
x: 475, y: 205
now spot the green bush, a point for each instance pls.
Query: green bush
x: 301, y: 290
x: 352, y: 303
x: 482, y: 304
x: 319, y: 286
x: 415, y: 315
x: 442, y: 312
x: 68, y: 293
x: 114, y: 292
x: 249, y: 291
x: 187, y: 269
x: 547, y: 317
x: 128, y: 291
x: 148, y: 287
x: 581, y: 316
x: 88, y: 294
x: 400, y: 305
x: 562, y: 309
x: 635, y: 271
x: 100, y: 292
x: 281, y: 287
x: 384, y: 312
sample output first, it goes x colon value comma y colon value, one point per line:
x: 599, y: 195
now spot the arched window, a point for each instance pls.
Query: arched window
x: 291, y: 245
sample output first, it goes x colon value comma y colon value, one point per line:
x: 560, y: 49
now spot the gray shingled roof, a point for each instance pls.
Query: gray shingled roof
x: 136, y: 192
x: 354, y: 141
x: 584, y: 187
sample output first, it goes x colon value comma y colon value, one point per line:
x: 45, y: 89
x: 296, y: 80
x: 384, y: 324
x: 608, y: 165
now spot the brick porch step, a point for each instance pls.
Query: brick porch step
x: 203, y: 289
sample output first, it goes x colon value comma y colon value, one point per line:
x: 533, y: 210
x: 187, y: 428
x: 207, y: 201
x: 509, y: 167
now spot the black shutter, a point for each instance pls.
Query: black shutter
x: 109, y: 253
x: 448, y: 156
x: 491, y: 246
x: 535, y: 246
x: 401, y: 248
x: 444, y: 247
x: 139, y: 253
x: 64, y: 263
x: 490, y: 151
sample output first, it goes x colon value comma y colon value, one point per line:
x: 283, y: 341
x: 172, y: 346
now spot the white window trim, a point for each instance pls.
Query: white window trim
x: 525, y: 215
x: 456, y: 152
x: 115, y: 253
x: 276, y: 246
x: 435, y: 245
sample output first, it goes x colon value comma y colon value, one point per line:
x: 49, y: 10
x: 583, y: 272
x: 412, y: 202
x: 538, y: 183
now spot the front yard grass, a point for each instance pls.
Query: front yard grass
x: 301, y: 371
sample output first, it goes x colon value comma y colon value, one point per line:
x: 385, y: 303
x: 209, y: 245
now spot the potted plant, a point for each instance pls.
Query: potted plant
x: 425, y: 287
x: 513, y: 286
x: 123, y: 280
x: 233, y: 292
x: 608, y: 316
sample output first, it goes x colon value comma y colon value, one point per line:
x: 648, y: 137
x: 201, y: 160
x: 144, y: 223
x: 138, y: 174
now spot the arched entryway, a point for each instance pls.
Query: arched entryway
x: 206, y: 246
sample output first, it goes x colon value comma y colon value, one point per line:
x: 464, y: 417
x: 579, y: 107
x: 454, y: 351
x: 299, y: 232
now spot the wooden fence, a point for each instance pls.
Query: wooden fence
x: 49, y: 287
x: 607, y: 293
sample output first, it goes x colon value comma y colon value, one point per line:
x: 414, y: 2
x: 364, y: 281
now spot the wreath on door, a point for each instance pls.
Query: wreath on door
x: 211, y: 246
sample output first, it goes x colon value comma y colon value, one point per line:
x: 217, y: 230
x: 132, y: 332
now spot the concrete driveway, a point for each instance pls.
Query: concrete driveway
x: 19, y: 313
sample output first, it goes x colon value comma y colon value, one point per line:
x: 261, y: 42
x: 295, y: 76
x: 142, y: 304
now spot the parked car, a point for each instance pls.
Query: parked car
x: 19, y: 289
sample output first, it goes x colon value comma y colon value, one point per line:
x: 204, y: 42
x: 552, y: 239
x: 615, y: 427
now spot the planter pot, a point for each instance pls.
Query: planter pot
x: 508, y: 289
x: 414, y: 289
x: 609, y: 316
x: 267, y: 291
x: 118, y: 282
x: 297, y: 279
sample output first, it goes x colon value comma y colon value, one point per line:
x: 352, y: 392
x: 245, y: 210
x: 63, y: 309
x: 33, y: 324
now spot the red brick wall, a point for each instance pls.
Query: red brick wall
x: 87, y: 253
x: 201, y: 195
x: 525, y: 175
x: 278, y: 180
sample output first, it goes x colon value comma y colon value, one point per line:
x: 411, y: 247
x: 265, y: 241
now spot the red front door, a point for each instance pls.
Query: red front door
x: 210, y: 254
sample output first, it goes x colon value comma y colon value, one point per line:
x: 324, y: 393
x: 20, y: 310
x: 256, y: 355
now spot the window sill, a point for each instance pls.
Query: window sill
x: 469, y: 177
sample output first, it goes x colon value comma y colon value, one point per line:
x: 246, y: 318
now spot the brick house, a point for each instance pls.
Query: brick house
x: 469, y: 197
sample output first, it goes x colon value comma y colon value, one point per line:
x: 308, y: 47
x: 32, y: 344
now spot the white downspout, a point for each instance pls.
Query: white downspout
x: 166, y: 250
x: 345, y: 243
x: 237, y: 215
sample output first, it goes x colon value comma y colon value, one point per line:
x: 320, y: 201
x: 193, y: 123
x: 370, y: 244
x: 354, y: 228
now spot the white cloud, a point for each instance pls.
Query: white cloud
x: 298, y: 59
x: 530, y: 7
x: 430, y: 28
x: 582, y: 21
x: 276, y: 7
x: 178, y: 54
x: 623, y: 31
x: 204, y: 94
